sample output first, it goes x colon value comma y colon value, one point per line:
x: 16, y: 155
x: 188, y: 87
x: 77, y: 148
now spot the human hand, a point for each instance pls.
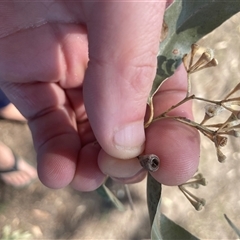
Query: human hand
x: 70, y: 105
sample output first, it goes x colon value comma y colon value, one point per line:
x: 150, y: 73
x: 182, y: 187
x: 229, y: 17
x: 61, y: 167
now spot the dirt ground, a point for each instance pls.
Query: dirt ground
x: 68, y: 214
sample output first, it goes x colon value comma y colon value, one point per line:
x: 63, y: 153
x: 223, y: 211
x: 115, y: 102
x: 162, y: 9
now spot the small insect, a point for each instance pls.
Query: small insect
x: 149, y: 162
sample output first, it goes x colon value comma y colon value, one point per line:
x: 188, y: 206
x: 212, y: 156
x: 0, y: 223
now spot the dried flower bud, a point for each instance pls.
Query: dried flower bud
x: 202, y: 203
x: 212, y: 63
x: 198, y: 176
x: 195, y: 184
x: 213, y: 110
x: 220, y: 141
x: 185, y: 61
x: 188, y: 58
x: 220, y: 155
x: 195, y: 47
x: 197, y: 203
x: 201, y: 181
x: 205, y: 60
x: 202, y: 62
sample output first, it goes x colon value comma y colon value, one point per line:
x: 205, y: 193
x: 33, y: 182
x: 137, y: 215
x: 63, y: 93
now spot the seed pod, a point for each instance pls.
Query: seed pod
x: 149, y: 162
x: 220, y: 155
x: 220, y: 141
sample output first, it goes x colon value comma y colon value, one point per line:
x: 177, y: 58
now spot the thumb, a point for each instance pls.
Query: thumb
x: 123, y: 44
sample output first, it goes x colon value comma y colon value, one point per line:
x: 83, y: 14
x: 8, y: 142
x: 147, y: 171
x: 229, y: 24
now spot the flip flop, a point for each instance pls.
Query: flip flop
x: 16, y: 168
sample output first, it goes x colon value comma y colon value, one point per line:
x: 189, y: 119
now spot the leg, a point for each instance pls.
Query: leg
x: 8, y: 110
x: 20, y: 176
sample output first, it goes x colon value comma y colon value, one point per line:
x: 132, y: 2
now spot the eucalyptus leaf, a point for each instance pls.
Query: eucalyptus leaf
x: 154, y: 189
x: 164, y: 228
x: 106, y: 193
x: 186, y: 22
x: 161, y: 226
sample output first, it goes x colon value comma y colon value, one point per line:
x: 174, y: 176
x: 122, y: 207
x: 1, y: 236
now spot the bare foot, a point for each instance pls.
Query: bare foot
x: 24, y: 174
x: 11, y: 112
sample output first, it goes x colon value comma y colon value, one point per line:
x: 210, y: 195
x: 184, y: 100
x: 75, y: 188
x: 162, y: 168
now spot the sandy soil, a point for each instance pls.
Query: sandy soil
x: 68, y: 214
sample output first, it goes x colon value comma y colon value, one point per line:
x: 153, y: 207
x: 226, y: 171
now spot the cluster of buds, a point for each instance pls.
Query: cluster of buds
x: 198, y: 59
x: 195, y: 182
x: 217, y: 133
x: 205, y: 60
x: 230, y: 127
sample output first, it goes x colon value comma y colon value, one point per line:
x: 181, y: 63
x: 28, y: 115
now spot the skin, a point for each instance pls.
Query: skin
x: 24, y: 174
x: 83, y: 87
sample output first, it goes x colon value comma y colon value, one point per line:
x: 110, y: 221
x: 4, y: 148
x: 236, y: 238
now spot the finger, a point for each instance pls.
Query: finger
x: 53, y: 126
x: 50, y: 53
x: 118, y: 168
x: 35, y: 82
x: 88, y: 176
x: 177, y: 145
x: 134, y: 179
x: 123, y: 44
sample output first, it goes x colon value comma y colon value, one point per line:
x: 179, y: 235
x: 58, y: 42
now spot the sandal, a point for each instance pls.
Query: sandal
x: 20, y: 175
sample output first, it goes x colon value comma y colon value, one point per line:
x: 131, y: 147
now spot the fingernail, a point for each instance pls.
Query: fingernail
x: 130, y: 139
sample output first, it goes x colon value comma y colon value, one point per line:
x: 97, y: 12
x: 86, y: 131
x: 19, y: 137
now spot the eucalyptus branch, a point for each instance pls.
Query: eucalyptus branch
x: 215, y: 132
x: 164, y: 114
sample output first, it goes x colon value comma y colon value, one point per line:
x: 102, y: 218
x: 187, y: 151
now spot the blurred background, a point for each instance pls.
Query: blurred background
x: 68, y: 214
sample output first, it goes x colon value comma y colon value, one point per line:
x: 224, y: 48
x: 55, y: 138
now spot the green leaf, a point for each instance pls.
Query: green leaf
x: 236, y: 230
x: 106, y: 193
x: 164, y: 228
x: 154, y: 189
x: 187, y: 22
